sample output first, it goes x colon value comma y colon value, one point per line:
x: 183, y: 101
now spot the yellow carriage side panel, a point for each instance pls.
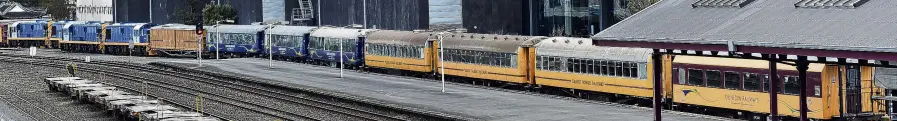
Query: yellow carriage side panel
x: 514, y: 75
x: 531, y: 65
x: 667, y: 75
x: 616, y: 85
x: 523, y: 63
x: 746, y: 100
x: 419, y: 65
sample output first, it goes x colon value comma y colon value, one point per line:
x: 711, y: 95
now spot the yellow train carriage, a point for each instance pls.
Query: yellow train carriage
x: 741, y: 84
x: 574, y: 63
x: 501, y: 58
x: 400, y: 50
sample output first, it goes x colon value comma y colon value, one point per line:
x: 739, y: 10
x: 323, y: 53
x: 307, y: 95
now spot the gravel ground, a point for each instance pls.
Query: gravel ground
x: 25, y: 96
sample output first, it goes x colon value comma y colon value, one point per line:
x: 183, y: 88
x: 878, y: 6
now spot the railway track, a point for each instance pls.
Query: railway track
x: 263, y: 99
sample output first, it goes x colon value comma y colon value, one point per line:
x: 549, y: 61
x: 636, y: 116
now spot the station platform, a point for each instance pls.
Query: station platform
x: 472, y: 102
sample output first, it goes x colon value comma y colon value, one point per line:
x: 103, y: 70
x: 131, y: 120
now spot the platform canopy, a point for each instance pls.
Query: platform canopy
x: 824, y: 30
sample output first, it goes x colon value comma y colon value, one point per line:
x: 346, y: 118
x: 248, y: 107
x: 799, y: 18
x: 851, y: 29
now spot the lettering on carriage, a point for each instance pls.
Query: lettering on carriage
x: 587, y: 82
x: 476, y: 71
x: 739, y: 98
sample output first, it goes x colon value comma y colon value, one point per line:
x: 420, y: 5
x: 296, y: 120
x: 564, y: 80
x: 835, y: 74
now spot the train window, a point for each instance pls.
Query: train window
x: 625, y: 69
x: 498, y: 59
x: 596, y: 67
x: 714, y: 78
x: 681, y: 73
x: 590, y: 66
x: 695, y: 77
x: 513, y: 59
x: 483, y: 58
x: 733, y: 80
x: 540, y: 62
x: 792, y: 85
x: 558, y: 65
x: 571, y: 65
x: 751, y: 82
x: 633, y: 70
x: 618, y: 67
x: 602, y: 67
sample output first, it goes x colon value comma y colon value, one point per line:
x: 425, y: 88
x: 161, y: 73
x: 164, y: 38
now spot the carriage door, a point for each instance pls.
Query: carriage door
x: 853, y: 90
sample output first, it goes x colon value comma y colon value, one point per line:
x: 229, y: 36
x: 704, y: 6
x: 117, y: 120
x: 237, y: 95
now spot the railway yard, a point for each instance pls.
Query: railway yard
x: 224, y: 89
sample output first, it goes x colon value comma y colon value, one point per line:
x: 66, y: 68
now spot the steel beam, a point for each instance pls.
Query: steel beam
x: 802, y: 66
x: 773, y: 87
x: 656, y: 58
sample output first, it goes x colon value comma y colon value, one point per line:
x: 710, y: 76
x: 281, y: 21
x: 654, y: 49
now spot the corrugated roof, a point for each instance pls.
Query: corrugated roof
x: 487, y: 42
x: 583, y: 48
x: 399, y: 37
x: 237, y: 28
x: 886, y: 77
x: 290, y: 30
x: 344, y: 33
x: 764, y: 23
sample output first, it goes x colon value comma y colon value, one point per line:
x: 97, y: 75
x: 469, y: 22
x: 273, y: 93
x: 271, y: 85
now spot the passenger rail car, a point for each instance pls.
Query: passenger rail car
x: 29, y: 34
x: 85, y: 38
x: 175, y: 40
x: 575, y: 64
x: 288, y: 42
x: 324, y: 46
x: 487, y: 58
x: 237, y: 40
x: 125, y: 35
x: 705, y: 83
x: 400, y: 52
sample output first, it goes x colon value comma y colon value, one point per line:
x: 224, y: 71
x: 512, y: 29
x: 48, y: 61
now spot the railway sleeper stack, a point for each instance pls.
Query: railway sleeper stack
x: 121, y: 103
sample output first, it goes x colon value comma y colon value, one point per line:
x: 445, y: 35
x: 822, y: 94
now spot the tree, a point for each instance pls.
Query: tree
x: 190, y: 15
x: 28, y: 2
x: 59, y: 9
x: 214, y: 13
x: 634, y: 6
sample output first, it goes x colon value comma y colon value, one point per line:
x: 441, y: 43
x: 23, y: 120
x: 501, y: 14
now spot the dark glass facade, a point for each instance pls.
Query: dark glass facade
x: 575, y: 18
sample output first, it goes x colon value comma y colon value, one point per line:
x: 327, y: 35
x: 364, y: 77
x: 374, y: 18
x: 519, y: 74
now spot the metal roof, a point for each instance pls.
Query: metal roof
x: 344, y: 33
x: 488, y: 42
x: 763, y: 23
x: 583, y: 48
x: 399, y: 37
x: 237, y: 28
x: 290, y: 30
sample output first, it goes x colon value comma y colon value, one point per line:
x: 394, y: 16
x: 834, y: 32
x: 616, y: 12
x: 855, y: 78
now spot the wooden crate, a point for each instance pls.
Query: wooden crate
x: 187, y: 40
x: 162, y: 39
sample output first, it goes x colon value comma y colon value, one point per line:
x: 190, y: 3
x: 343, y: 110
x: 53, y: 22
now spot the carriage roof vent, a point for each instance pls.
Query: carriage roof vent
x: 845, y: 4
x: 721, y: 3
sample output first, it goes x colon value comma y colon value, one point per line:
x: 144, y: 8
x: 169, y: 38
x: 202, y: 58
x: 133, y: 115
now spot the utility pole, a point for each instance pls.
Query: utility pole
x: 341, y: 64
x: 270, y: 50
x: 442, y: 60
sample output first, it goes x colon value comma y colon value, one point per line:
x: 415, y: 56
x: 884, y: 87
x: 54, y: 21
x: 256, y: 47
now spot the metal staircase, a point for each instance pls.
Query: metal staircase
x: 304, y: 13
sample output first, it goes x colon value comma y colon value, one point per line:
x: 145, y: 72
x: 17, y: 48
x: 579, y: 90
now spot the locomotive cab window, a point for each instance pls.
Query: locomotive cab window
x: 714, y: 79
x: 733, y: 80
x: 792, y: 85
x: 695, y: 77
